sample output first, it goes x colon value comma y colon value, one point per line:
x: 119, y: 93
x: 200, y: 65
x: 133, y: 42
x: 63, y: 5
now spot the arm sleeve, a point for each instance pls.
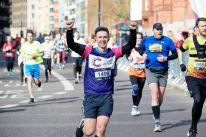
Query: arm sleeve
x: 131, y: 43
x: 141, y: 52
x: 173, y: 50
x: 185, y: 45
x: 78, y: 48
x: 142, y: 45
x: 173, y: 56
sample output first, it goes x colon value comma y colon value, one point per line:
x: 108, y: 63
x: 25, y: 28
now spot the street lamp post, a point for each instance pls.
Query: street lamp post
x: 99, y: 13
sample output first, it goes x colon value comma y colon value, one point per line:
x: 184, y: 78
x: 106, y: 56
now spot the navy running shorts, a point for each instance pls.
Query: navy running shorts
x: 95, y: 105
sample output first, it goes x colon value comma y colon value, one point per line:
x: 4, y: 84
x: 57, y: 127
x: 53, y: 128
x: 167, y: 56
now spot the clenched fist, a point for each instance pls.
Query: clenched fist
x: 69, y: 24
x: 132, y: 25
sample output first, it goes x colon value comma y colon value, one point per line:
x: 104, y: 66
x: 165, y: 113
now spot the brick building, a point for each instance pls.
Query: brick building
x: 108, y: 18
x: 5, y: 21
x: 173, y: 14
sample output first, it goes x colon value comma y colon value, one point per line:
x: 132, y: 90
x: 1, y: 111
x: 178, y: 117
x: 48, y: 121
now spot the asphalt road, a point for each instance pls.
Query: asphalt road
x: 57, y: 110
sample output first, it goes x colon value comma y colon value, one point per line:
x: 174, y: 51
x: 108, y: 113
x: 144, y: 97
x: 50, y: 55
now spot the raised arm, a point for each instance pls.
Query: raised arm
x: 132, y: 40
x: 78, y: 48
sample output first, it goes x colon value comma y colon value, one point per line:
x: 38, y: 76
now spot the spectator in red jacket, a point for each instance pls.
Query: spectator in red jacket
x: 8, y: 50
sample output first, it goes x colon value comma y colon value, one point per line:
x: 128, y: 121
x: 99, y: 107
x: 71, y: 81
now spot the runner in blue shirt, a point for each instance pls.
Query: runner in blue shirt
x: 157, y: 48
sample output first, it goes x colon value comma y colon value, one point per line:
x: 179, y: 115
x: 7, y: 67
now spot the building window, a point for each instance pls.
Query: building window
x: 72, y: 11
x: 51, y: 26
x: 32, y: 15
x: 82, y: 16
x: 51, y: 18
x: 71, y: 2
x: 82, y: 29
x: 51, y: 10
x: 32, y: 6
x: 51, y: 1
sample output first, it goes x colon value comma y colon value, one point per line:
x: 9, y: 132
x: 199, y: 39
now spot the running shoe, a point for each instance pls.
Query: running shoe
x: 135, y: 111
x: 192, y: 133
x: 31, y: 101
x: 157, y: 127
x: 50, y: 73
x: 79, y: 130
x: 76, y: 81
x: 39, y: 84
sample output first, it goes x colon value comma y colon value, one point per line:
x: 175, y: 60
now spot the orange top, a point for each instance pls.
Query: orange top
x: 137, y: 65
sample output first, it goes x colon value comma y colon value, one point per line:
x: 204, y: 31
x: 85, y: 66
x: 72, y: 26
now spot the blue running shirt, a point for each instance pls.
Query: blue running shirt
x: 99, y: 70
x: 155, y: 48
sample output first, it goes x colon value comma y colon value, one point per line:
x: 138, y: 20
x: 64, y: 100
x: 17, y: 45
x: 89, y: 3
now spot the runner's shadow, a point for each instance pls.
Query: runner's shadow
x: 63, y: 100
x: 120, y: 89
x: 180, y: 123
x: 12, y: 110
x: 52, y: 101
x: 126, y: 85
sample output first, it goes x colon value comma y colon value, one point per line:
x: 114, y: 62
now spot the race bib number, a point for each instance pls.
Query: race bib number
x: 139, y: 66
x: 200, y: 64
x: 9, y: 54
x: 102, y: 74
x: 155, y: 48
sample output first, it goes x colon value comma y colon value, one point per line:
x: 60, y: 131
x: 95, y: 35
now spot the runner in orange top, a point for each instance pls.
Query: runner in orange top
x: 137, y: 74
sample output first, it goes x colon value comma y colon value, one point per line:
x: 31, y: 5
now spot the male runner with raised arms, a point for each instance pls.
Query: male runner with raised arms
x: 98, y: 78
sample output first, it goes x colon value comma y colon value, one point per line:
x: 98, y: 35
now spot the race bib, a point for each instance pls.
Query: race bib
x: 9, y: 54
x: 139, y: 66
x: 155, y: 48
x: 102, y: 74
x: 200, y: 64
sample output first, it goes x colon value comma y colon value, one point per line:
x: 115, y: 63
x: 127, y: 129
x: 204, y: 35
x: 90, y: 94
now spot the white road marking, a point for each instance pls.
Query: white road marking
x: 14, y: 91
x: 9, y: 106
x: 4, y: 96
x: 45, y: 97
x: 17, y: 84
x: 60, y: 93
x: 14, y: 96
x: 67, y: 85
x: 6, y: 85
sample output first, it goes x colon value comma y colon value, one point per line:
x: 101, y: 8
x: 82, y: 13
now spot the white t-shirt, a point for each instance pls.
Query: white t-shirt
x: 47, y: 49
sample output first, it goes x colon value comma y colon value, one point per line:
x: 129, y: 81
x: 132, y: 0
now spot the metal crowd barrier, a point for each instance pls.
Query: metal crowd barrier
x: 176, y: 78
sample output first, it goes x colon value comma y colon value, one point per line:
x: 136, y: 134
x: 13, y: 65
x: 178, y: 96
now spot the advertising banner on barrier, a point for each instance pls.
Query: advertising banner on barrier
x: 198, y: 6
